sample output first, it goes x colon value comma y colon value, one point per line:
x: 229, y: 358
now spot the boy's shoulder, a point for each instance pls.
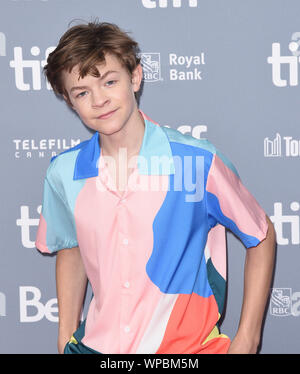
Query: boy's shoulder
x: 63, y: 164
x: 74, y: 149
x: 176, y: 136
x: 205, y: 145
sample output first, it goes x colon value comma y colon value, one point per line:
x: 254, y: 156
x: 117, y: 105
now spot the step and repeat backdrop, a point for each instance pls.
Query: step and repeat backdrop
x: 226, y: 71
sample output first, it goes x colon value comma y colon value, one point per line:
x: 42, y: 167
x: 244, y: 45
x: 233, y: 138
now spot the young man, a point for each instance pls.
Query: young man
x: 140, y: 211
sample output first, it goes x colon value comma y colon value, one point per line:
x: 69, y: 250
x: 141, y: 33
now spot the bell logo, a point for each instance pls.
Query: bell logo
x: 150, y: 4
x: 19, y: 64
x: 49, y: 310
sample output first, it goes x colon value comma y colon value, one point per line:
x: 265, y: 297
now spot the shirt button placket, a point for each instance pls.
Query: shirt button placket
x: 125, y: 274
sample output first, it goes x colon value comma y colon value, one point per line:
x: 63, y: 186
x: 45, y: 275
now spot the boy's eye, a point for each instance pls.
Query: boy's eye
x: 110, y: 83
x: 81, y: 94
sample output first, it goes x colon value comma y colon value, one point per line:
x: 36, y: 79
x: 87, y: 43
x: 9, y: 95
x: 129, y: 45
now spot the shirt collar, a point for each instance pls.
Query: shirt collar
x: 155, y: 156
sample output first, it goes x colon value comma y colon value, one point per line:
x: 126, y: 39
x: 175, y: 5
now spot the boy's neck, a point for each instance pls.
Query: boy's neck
x: 129, y: 137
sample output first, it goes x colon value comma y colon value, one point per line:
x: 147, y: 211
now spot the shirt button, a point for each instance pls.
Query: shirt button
x: 126, y: 284
x: 125, y: 241
x: 127, y: 329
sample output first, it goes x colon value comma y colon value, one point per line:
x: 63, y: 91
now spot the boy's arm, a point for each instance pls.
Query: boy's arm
x: 258, y: 273
x: 71, y: 282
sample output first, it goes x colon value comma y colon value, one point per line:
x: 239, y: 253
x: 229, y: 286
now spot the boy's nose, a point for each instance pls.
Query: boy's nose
x: 99, y: 99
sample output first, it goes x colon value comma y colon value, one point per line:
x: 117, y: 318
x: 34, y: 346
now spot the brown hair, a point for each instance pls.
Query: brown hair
x: 86, y: 45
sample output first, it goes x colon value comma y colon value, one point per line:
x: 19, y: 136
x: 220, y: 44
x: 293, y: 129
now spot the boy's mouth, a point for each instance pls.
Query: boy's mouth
x: 107, y: 115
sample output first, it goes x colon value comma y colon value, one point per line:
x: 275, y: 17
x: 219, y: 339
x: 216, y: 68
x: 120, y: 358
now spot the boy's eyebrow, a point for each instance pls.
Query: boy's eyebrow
x: 108, y: 72
x: 101, y: 78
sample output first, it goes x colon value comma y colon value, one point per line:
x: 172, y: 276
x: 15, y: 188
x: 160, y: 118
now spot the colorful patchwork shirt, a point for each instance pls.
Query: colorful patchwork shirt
x: 155, y: 255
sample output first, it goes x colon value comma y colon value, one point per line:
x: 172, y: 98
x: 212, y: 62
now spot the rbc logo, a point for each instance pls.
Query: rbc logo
x: 19, y: 64
x: 164, y: 3
x: 284, y: 303
x: 281, y: 302
x: 151, y: 66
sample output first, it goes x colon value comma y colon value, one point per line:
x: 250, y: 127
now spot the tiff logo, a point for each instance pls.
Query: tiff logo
x: 25, y: 222
x: 277, y: 60
x: 195, y: 131
x: 2, y: 305
x: 2, y: 44
x: 290, y: 222
x: 164, y: 3
x: 19, y: 64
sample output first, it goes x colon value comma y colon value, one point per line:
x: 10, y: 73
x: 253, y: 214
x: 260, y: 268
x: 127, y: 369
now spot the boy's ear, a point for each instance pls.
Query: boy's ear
x: 137, y: 77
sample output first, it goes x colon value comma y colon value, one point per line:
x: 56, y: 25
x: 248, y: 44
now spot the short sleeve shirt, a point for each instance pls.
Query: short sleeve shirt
x: 155, y: 255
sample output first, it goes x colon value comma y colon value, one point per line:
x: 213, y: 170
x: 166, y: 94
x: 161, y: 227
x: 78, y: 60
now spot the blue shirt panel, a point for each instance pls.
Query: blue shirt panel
x: 177, y: 264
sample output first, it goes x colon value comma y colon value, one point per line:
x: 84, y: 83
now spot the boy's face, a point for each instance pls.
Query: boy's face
x: 104, y: 103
